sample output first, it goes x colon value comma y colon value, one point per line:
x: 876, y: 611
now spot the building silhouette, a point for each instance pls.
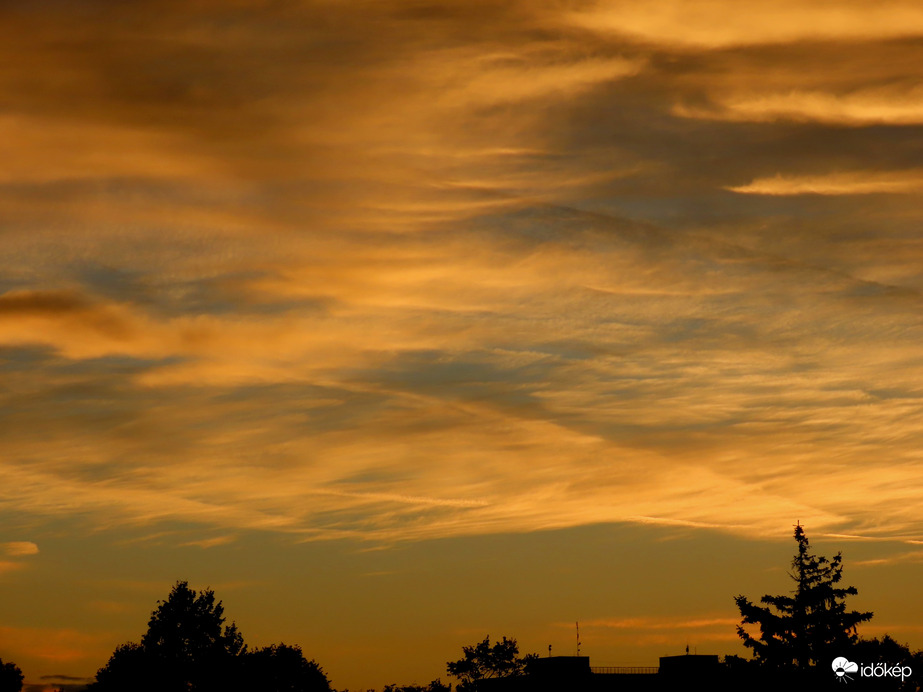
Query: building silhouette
x: 574, y: 674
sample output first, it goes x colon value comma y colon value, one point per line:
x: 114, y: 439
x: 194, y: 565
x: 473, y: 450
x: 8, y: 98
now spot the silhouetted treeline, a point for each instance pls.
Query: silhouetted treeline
x: 434, y: 686
x: 807, y: 639
x: 902, y: 668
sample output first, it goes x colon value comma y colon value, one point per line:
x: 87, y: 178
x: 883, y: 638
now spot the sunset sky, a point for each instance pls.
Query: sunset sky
x: 400, y: 323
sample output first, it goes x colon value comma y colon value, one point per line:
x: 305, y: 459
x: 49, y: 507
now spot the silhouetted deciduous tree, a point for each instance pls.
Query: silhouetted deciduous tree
x: 811, y: 626
x: 282, y: 668
x: 483, y: 661
x: 10, y: 677
x: 129, y: 664
x: 435, y: 686
x: 188, y: 648
x: 190, y: 625
x: 888, y: 651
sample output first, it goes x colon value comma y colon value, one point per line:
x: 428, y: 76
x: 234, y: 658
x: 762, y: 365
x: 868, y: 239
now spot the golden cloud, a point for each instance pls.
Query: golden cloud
x: 487, y: 355
x: 378, y: 241
x: 660, y: 623
x: 722, y: 23
x: 856, y: 109
x: 19, y: 548
x: 840, y: 183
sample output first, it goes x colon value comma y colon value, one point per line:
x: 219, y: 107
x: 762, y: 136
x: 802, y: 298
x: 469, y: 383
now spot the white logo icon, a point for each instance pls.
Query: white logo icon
x: 841, y: 667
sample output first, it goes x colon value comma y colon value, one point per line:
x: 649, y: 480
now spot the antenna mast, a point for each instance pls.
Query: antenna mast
x: 578, y: 637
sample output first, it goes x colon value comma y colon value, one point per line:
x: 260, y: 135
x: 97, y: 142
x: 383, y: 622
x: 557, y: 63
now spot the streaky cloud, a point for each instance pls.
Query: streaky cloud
x: 19, y: 548
x: 857, y: 109
x: 709, y: 24
x: 839, y: 183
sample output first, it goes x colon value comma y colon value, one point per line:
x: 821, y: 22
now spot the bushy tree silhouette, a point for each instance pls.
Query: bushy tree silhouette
x: 892, y: 653
x: 282, y: 668
x: 809, y: 627
x: 483, y: 661
x: 190, y: 625
x: 10, y: 677
x: 188, y: 648
x: 435, y: 686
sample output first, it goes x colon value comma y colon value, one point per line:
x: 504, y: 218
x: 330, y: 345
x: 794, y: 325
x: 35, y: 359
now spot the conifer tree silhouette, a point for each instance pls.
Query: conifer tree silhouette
x: 811, y: 626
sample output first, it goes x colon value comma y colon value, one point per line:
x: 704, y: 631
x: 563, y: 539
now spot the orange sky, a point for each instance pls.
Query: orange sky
x: 400, y: 323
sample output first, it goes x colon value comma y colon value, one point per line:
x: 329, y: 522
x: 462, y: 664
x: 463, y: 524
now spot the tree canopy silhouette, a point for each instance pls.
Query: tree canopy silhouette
x: 892, y: 653
x: 809, y: 627
x: 281, y: 668
x: 435, y: 686
x: 188, y: 625
x: 10, y: 677
x: 189, y: 648
x: 483, y: 661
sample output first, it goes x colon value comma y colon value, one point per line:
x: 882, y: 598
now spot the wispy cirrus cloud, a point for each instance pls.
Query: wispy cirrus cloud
x: 660, y: 631
x: 857, y: 109
x: 19, y: 548
x: 839, y: 183
x: 398, y: 272
x: 647, y: 623
x: 715, y: 23
x: 556, y: 421
x: 16, y: 549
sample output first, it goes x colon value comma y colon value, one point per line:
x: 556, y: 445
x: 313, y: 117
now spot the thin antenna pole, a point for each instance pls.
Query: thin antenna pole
x: 578, y: 637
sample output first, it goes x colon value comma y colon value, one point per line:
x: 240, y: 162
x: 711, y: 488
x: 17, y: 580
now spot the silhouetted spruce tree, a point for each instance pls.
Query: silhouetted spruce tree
x: 809, y: 627
x: 483, y: 661
x: 10, y: 677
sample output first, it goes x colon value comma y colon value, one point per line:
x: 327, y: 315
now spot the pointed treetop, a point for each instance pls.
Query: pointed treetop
x: 810, y: 624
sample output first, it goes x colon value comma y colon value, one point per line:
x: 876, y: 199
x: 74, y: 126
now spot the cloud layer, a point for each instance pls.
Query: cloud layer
x: 401, y: 296
x: 400, y: 271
